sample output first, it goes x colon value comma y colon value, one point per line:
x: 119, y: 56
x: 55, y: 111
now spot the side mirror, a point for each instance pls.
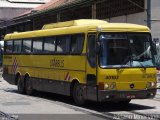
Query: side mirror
x: 154, y: 48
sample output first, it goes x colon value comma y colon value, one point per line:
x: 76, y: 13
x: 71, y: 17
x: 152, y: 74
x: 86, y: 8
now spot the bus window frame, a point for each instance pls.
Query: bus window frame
x: 36, y: 39
x: 5, y: 47
x: 93, y: 65
x: 150, y: 37
x: 52, y: 52
x: 68, y: 47
x: 13, y: 51
x: 77, y: 53
x: 68, y: 52
x: 25, y: 53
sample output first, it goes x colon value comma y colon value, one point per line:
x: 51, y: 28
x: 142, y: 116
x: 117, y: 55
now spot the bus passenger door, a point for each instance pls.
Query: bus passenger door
x: 91, y: 64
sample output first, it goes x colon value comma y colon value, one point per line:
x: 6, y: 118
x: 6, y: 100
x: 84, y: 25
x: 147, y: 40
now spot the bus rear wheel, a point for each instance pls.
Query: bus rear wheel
x: 78, y: 94
x: 28, y: 86
x: 20, y: 85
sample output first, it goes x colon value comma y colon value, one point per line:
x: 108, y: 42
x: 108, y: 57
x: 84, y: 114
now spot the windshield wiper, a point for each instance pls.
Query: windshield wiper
x: 126, y: 60
x: 141, y: 58
x: 130, y: 59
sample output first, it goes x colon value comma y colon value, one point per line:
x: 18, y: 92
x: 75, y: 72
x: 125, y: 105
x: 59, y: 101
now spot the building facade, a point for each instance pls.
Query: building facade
x: 155, y: 19
x: 149, y: 17
x: 144, y: 12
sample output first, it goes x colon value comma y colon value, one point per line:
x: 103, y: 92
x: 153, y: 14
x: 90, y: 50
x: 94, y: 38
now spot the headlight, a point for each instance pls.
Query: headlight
x: 106, y: 86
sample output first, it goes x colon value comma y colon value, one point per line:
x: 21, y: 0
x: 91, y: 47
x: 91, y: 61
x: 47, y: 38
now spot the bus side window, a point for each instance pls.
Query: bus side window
x: 37, y: 45
x: 77, y: 43
x: 17, y: 46
x: 62, y: 43
x: 91, y: 53
x: 27, y: 46
x: 49, y: 44
x: 8, y: 46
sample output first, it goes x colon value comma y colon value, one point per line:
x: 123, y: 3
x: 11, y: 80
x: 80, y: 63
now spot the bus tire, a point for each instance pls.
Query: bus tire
x: 78, y: 94
x: 20, y: 85
x: 28, y: 86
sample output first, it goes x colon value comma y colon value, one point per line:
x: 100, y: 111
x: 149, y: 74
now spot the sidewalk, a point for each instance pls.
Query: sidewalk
x: 158, y: 90
x: 158, y: 94
x: 158, y: 83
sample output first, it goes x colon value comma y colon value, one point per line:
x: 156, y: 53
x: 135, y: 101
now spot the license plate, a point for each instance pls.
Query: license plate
x: 130, y: 96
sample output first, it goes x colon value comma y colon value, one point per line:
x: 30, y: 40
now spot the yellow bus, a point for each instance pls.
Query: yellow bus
x: 86, y: 59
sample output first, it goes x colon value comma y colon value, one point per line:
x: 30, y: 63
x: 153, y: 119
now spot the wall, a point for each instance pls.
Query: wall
x: 155, y: 19
x: 137, y: 18
x: 141, y: 18
x: 8, y: 13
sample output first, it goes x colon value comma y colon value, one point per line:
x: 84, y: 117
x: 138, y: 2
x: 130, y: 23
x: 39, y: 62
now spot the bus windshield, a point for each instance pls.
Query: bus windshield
x: 125, y: 50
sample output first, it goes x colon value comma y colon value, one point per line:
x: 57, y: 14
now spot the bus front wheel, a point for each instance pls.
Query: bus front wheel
x: 28, y: 86
x: 78, y: 94
x: 20, y: 85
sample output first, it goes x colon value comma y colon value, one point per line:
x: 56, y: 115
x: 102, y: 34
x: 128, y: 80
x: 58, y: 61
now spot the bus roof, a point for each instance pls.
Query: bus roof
x: 78, y: 26
x: 81, y: 22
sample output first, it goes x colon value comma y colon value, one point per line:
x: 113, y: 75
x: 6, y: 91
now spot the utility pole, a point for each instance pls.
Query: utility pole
x: 149, y: 13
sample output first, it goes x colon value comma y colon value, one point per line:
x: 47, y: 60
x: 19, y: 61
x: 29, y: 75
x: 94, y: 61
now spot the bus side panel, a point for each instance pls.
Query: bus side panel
x: 53, y: 86
x: 8, y: 69
x: 50, y: 73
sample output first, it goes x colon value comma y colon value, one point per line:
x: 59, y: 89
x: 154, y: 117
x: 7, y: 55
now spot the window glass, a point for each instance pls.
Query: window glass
x: 125, y: 50
x: 17, y: 46
x: 91, y: 50
x: 37, y: 45
x: 63, y: 44
x: 9, y: 46
x: 27, y: 46
x: 49, y: 44
x: 77, y: 43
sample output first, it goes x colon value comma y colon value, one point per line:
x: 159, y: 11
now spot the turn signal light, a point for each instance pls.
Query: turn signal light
x: 150, y: 84
x: 103, y: 86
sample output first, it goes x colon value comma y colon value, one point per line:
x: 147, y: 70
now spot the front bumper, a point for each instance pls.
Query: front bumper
x: 104, y: 95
